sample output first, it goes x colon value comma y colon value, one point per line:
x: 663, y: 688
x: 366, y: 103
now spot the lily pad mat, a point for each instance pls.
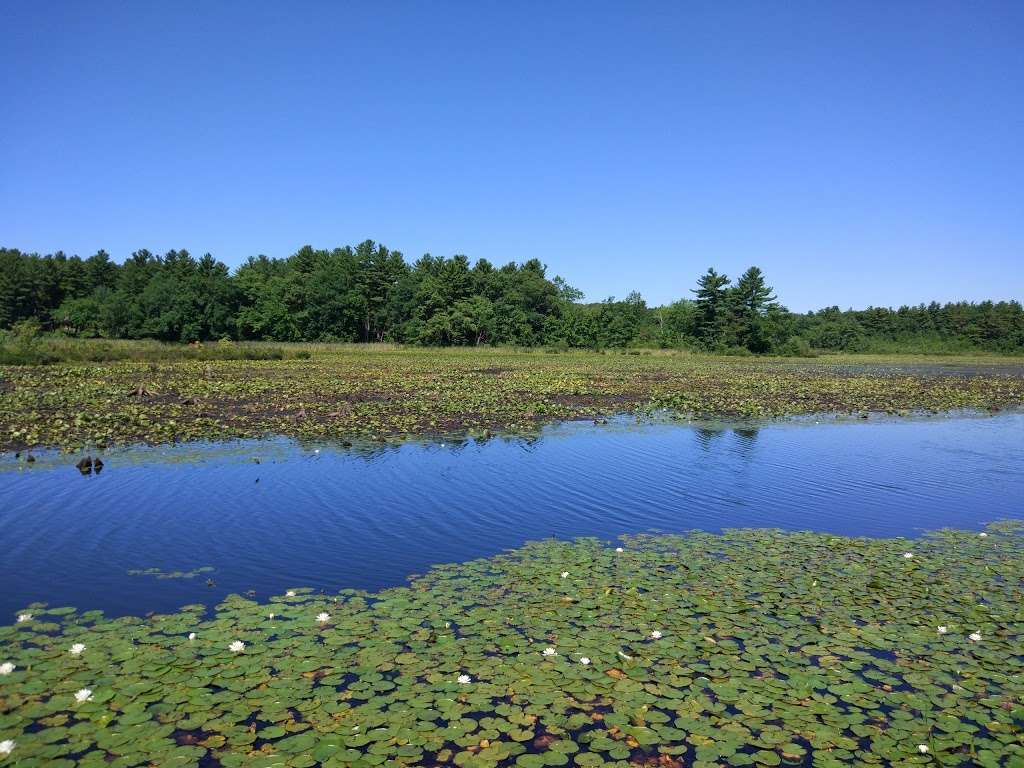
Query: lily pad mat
x: 755, y: 647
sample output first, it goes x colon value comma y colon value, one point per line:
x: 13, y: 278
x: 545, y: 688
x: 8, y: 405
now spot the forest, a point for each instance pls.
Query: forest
x: 369, y: 293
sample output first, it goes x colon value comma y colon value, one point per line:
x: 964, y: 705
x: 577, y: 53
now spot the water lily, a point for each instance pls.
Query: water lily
x: 6, y: 746
x: 942, y: 630
x: 323, y: 617
x: 465, y: 679
x: 565, y: 574
x: 983, y: 534
x: 549, y: 651
x: 908, y: 555
x: 6, y: 668
x: 191, y: 636
x: 922, y: 748
x: 271, y: 615
x: 77, y: 649
x: 83, y: 695
x: 290, y: 593
x: 237, y: 646
x: 656, y: 635
x: 23, y: 617
x: 584, y: 660
x: 619, y: 549
x: 975, y: 637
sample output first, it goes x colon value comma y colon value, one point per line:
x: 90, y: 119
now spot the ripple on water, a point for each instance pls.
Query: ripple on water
x: 367, y: 518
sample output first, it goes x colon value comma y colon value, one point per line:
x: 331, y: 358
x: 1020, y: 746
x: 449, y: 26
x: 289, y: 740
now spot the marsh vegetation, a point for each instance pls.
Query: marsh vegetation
x: 749, y: 648
x: 345, y: 391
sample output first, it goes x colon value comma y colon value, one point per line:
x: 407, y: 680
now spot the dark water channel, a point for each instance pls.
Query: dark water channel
x: 330, y: 517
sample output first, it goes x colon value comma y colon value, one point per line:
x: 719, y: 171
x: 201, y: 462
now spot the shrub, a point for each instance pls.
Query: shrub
x: 796, y: 346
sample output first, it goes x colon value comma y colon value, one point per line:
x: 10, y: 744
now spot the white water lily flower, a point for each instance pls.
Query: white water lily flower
x: 191, y: 636
x: 975, y: 636
x: 549, y: 651
x: 271, y: 615
x: 465, y: 679
x: 23, y: 617
x: 323, y: 617
x: 584, y: 660
x: 942, y: 630
x: 619, y: 549
x: 565, y: 574
x: 983, y: 534
x: 908, y: 555
x: 656, y: 635
x: 77, y: 649
x: 237, y: 646
x: 6, y: 747
x: 290, y: 593
x: 83, y: 695
x: 6, y: 668
x: 922, y: 748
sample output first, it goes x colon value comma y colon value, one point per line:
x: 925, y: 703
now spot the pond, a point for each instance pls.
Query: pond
x: 159, y: 528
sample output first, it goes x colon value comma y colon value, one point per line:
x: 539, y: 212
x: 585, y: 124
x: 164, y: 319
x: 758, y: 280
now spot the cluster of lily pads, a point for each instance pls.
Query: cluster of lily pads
x: 161, y: 574
x: 755, y: 647
x: 360, y: 392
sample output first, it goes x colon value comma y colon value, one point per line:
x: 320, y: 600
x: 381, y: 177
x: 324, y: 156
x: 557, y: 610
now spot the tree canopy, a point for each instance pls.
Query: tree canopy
x: 369, y: 293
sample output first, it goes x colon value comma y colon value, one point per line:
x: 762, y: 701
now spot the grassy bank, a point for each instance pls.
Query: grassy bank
x: 369, y: 392
x: 751, y: 648
x: 49, y: 350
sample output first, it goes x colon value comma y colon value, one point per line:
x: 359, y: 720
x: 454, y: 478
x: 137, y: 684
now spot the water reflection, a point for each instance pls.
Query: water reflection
x: 266, y: 515
x: 706, y: 436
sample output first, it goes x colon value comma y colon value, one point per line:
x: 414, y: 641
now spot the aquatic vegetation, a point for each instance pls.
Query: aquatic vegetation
x: 775, y: 648
x: 159, y: 573
x: 371, y: 394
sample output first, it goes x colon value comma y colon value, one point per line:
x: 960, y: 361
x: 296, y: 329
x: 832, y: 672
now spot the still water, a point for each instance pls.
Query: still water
x: 330, y: 517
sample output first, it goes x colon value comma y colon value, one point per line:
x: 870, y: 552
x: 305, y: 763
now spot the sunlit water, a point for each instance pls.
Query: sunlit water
x: 335, y: 517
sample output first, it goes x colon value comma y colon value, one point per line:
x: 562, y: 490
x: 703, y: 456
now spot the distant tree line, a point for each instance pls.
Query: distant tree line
x: 370, y: 293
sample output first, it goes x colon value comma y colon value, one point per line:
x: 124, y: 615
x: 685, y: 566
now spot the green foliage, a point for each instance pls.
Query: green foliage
x: 714, y: 307
x: 931, y: 329
x: 18, y: 349
x: 751, y: 648
x: 23, y: 345
x: 796, y: 346
x: 123, y: 392
x: 369, y: 293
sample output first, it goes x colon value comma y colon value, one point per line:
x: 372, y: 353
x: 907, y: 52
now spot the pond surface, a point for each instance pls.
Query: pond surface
x: 330, y: 517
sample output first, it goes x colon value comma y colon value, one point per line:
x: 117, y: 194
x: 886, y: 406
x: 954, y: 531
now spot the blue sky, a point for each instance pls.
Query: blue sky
x: 860, y: 153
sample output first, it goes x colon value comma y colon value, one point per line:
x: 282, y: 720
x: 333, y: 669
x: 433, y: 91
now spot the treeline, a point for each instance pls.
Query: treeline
x: 369, y: 293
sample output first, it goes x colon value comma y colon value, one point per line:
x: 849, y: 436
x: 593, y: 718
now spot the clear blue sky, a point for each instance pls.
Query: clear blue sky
x: 860, y: 153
